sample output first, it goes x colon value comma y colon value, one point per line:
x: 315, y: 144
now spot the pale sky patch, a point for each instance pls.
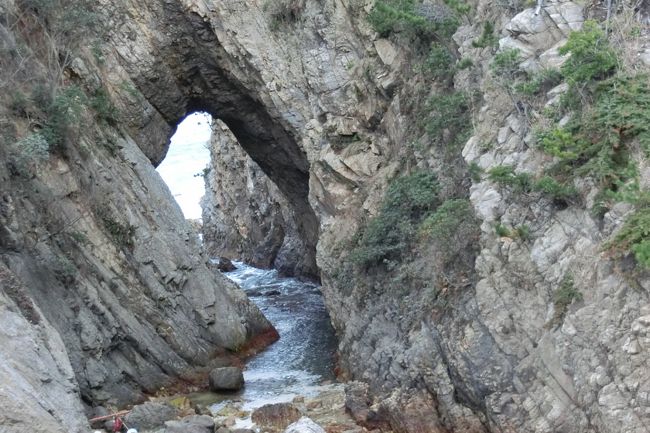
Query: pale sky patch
x: 188, y: 155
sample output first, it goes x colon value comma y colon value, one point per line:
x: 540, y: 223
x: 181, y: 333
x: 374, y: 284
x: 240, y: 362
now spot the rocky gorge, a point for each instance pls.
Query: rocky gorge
x: 435, y: 164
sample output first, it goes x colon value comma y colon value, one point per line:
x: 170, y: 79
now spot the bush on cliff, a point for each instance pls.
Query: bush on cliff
x: 408, y: 200
x: 414, y: 20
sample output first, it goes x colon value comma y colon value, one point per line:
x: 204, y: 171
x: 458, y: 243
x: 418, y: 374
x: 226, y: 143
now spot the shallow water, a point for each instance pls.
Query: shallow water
x: 303, y: 357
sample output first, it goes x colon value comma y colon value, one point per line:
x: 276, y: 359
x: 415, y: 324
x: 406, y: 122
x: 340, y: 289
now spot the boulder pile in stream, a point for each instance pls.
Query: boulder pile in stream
x: 226, y: 379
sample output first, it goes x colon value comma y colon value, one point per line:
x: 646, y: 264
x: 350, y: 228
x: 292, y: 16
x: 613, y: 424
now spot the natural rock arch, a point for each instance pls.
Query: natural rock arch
x: 184, y: 69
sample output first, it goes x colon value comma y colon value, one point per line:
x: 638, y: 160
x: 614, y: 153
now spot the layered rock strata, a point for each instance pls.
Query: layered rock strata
x: 246, y: 216
x: 467, y: 341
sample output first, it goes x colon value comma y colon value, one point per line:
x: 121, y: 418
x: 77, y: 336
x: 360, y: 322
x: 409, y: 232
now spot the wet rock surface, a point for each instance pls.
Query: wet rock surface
x: 226, y: 379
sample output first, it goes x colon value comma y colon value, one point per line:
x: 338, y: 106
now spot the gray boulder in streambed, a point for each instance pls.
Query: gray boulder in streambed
x: 150, y: 415
x: 304, y: 425
x: 226, y: 379
x: 190, y: 424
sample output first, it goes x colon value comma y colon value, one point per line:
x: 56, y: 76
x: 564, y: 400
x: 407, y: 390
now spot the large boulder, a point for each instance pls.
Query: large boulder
x: 150, y: 415
x: 276, y: 416
x: 226, y: 379
x: 304, y: 425
x: 356, y: 401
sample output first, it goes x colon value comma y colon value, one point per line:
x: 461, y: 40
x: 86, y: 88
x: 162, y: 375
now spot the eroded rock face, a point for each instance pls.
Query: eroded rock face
x: 34, y: 366
x: 115, y: 298
x: 323, y: 109
x: 246, y: 216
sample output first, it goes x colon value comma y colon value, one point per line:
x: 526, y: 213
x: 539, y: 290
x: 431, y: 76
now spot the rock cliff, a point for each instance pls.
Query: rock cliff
x: 468, y: 296
x: 106, y: 295
x: 246, y: 216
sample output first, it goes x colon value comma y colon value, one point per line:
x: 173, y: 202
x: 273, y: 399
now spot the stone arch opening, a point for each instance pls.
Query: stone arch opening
x: 185, y: 68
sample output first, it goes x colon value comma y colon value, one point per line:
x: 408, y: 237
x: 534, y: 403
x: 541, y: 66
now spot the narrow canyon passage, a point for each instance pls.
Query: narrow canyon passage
x: 303, y: 358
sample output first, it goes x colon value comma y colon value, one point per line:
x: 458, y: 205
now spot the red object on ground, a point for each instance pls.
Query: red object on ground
x: 117, y: 426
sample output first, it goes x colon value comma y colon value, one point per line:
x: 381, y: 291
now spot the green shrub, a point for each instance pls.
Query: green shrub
x: 591, y: 56
x: 561, y: 143
x: 27, y: 153
x: 556, y: 190
x: 505, y: 175
x: 439, y: 63
x: 453, y: 217
x: 505, y: 64
x: 622, y: 111
x: 564, y: 296
x: 487, y: 38
x: 63, y: 112
x: 449, y: 121
x: 634, y: 237
x: 539, y: 82
x: 596, y: 144
x: 34, y: 147
x: 412, y: 195
x: 408, y: 200
x: 414, y: 20
x: 460, y: 7
x: 103, y: 106
x: 475, y: 172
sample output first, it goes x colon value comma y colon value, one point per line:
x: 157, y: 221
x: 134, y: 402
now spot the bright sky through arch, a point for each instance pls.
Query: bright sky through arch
x: 188, y: 155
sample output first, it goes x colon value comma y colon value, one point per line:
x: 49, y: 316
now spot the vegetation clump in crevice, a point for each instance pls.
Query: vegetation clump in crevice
x: 449, y: 121
x: 633, y: 237
x: 283, y: 12
x: 563, y: 297
x: 407, y: 202
x: 122, y: 234
x: 452, y: 220
x: 488, y: 37
x: 415, y: 20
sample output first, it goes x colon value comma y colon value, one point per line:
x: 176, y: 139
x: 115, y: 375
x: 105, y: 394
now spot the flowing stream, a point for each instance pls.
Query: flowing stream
x: 303, y: 357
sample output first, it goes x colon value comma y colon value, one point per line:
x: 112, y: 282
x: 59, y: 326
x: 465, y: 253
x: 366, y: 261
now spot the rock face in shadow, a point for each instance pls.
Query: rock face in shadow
x: 110, y: 294
x: 34, y: 367
x: 246, y: 216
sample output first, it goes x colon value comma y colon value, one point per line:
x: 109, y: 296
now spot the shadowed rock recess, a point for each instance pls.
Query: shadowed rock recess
x: 469, y: 291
